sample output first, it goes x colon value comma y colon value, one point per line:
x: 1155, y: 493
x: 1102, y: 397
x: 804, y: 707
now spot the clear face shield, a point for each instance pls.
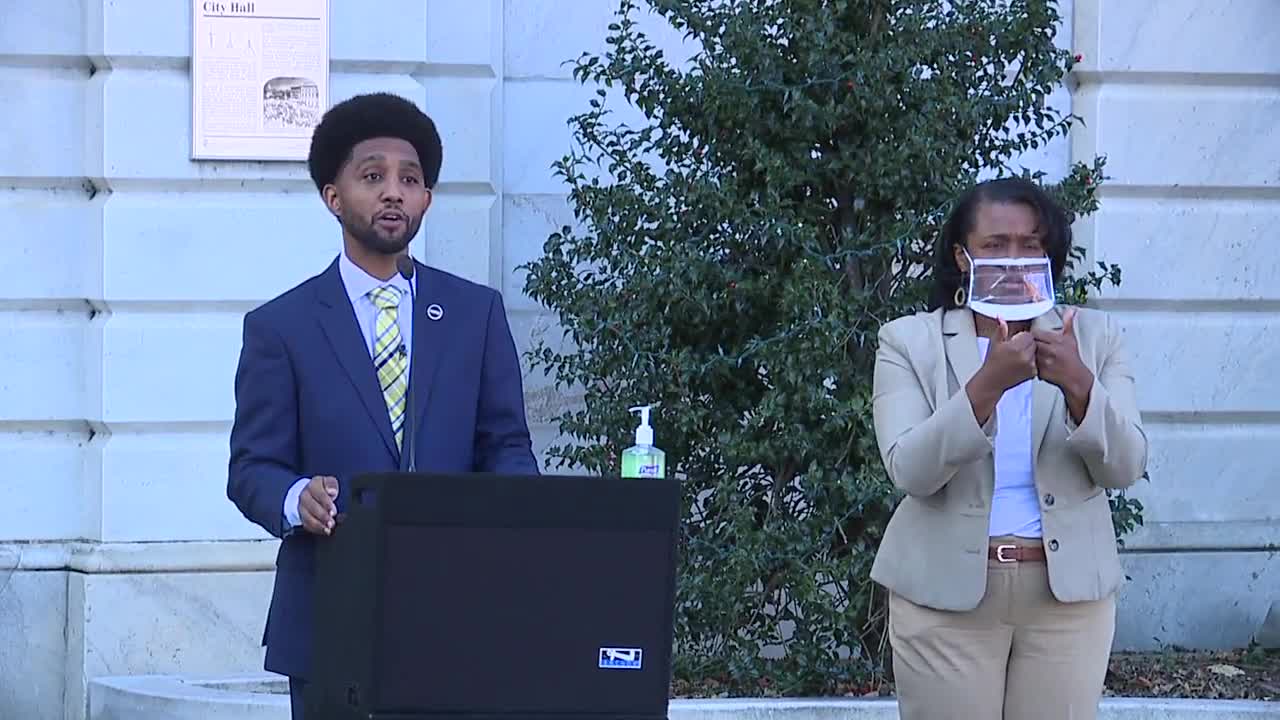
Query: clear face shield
x: 1011, y: 289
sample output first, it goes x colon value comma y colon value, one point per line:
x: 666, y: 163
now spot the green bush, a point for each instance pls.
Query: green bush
x: 734, y: 258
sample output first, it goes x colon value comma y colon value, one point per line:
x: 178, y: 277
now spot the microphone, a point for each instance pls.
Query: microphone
x: 405, y: 266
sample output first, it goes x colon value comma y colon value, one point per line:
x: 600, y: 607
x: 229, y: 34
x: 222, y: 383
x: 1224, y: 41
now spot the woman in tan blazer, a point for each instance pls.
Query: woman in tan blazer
x: 1001, y: 561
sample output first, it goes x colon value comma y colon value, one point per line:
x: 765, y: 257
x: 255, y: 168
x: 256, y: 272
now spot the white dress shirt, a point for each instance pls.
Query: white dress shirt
x: 1015, y: 504
x: 359, y: 284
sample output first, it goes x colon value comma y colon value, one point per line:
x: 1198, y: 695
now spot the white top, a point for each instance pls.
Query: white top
x: 1015, y: 503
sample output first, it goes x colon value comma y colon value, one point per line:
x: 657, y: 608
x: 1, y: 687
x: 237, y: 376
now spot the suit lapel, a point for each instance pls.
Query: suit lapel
x: 1045, y: 397
x: 338, y: 320
x: 961, y: 344
x: 429, y: 332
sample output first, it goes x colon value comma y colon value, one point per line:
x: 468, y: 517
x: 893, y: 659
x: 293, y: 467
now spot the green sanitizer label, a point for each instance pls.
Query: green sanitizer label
x: 635, y: 465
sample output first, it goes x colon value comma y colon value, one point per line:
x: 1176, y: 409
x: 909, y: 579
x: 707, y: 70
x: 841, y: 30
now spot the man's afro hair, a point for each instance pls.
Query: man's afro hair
x: 362, y: 117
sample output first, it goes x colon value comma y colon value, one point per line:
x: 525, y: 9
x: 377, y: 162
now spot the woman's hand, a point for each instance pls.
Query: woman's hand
x: 1010, y: 361
x: 1059, y: 363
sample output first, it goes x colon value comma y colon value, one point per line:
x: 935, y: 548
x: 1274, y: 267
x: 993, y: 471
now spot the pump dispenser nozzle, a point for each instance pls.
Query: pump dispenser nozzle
x: 644, y: 433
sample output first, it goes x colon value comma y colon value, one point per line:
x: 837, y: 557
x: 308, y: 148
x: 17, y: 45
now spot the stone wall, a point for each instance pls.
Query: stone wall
x: 1183, y: 97
x: 126, y: 270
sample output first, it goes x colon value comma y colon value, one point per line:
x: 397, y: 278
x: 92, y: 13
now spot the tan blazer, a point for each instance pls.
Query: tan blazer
x: 934, y: 551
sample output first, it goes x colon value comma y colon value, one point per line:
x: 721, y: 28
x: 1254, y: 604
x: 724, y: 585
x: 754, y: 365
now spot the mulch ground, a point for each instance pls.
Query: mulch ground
x: 1231, y: 675
x: 1234, y: 675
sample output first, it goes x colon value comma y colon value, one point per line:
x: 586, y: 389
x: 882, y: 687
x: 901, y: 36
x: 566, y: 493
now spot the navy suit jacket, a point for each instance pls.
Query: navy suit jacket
x: 308, y: 403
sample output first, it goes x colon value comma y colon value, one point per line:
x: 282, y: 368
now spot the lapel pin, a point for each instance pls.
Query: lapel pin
x: 434, y: 311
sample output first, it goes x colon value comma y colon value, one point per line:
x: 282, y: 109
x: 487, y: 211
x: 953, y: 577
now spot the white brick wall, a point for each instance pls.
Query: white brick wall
x: 104, y: 215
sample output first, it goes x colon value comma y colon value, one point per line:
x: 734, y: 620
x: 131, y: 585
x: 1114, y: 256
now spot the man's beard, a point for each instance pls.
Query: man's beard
x: 374, y: 240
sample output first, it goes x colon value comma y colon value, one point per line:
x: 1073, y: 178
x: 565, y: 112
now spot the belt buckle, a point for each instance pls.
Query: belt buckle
x: 1000, y: 556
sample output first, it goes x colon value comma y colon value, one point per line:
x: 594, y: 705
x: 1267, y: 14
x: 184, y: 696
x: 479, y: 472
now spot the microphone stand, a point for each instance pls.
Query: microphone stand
x: 409, y: 448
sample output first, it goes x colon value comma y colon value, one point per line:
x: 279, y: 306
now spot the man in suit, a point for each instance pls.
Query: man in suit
x: 323, y: 380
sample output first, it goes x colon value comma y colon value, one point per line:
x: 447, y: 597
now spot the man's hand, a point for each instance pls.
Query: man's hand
x: 316, y: 505
x: 1059, y: 363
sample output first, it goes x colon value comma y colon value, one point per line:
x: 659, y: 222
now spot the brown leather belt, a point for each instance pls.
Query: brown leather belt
x: 1015, y: 553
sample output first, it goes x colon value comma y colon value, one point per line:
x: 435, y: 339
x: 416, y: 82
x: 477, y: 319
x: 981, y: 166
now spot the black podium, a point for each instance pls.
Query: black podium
x: 485, y: 597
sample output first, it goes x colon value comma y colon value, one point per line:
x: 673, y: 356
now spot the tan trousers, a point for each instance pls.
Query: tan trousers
x: 1020, y: 655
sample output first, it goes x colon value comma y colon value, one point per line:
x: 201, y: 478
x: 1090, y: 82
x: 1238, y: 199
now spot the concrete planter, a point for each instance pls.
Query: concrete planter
x: 264, y: 696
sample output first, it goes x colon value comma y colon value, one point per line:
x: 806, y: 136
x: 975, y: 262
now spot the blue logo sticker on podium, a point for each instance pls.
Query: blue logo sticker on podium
x: 621, y: 658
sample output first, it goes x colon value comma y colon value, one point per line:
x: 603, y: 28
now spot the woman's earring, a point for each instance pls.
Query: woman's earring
x: 962, y: 294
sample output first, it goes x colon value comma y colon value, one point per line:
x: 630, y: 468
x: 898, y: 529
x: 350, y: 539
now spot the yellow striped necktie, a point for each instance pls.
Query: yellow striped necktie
x: 389, y: 356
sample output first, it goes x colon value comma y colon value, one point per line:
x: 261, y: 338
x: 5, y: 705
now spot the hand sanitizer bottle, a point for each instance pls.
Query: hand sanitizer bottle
x: 643, y: 460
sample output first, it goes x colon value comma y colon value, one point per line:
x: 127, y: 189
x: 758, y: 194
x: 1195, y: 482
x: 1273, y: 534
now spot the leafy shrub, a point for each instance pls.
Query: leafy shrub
x: 736, y: 255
